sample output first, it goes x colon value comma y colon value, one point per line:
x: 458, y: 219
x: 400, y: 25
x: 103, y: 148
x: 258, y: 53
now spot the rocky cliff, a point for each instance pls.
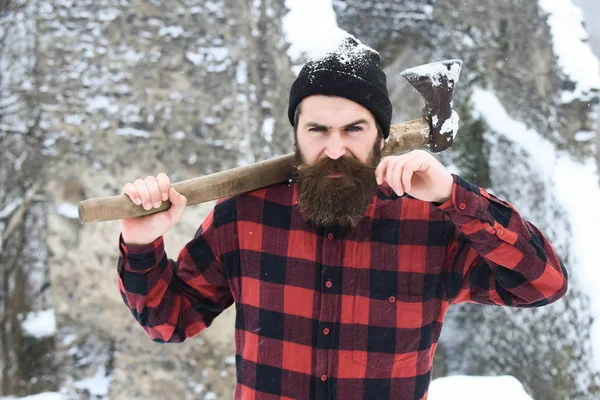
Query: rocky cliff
x: 98, y: 93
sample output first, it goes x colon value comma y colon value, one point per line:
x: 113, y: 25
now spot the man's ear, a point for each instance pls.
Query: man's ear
x: 382, y: 143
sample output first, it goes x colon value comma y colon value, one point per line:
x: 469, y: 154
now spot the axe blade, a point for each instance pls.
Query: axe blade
x: 435, y: 82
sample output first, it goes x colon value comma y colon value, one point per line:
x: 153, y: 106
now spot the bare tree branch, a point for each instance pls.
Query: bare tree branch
x: 18, y: 217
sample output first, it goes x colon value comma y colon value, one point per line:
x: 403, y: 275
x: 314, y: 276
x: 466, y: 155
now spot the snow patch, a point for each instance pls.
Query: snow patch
x: 451, y: 125
x: 436, y: 71
x: 217, y: 59
x: 212, y: 120
x: 68, y: 210
x: 99, y: 103
x: 73, y: 119
x: 267, y: 129
x: 172, y: 31
x: 241, y: 73
x: 108, y: 14
x: 179, y: 135
x: 541, y: 151
x: 570, y: 43
x: 132, y: 132
x: 198, y: 388
x: 461, y: 387
x: 314, y: 40
x: 40, y: 324
x: 194, y: 58
x: 131, y: 57
x: 96, y: 385
x: 585, y: 136
x: 213, y: 7
x: 214, y: 59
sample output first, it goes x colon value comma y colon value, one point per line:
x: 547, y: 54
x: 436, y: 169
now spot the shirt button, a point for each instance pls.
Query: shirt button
x: 326, y: 331
x: 462, y: 205
x: 328, y: 284
x: 323, y: 377
x: 500, y: 231
x: 392, y: 299
x: 330, y: 236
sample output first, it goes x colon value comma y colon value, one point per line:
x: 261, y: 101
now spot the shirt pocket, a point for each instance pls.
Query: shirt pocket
x: 387, y: 331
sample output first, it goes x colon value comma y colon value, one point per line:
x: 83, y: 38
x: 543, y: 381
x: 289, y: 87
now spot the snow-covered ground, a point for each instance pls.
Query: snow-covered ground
x: 96, y: 385
x: 477, y: 387
x: 448, y: 388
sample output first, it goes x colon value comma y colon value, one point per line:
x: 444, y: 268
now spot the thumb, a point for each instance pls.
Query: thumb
x: 178, y: 203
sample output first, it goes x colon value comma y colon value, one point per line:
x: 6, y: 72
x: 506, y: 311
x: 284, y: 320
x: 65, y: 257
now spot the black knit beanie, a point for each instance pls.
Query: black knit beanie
x: 352, y: 71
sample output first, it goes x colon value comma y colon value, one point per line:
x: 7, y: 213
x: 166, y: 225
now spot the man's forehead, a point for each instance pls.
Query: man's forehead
x: 333, y: 110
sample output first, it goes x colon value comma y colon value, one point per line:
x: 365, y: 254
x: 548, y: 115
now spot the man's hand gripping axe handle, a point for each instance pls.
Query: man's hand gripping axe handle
x: 435, y: 131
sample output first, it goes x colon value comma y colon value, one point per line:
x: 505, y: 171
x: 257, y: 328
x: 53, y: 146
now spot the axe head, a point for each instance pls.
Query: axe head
x: 435, y: 82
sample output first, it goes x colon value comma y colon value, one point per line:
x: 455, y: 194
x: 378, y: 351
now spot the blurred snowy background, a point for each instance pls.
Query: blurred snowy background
x: 96, y: 93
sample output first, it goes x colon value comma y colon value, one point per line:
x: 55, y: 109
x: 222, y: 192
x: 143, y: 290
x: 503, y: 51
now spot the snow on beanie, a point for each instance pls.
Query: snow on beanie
x: 352, y: 71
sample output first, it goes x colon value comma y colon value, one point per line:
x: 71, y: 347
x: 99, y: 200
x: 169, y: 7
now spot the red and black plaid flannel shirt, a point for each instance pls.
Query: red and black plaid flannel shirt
x: 327, y: 313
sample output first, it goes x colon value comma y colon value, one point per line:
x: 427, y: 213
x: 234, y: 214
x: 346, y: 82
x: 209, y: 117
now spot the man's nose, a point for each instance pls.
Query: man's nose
x: 336, y: 147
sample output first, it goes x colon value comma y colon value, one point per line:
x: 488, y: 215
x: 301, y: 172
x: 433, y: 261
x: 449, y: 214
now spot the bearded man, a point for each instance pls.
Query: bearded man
x: 341, y: 279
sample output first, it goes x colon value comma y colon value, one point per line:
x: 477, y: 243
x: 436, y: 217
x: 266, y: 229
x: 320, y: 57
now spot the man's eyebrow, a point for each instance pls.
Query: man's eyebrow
x: 358, y: 122
x: 316, y: 124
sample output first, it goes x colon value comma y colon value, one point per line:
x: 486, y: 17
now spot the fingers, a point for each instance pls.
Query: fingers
x: 144, y: 194
x: 132, y: 192
x: 164, y: 183
x: 153, y: 190
x: 149, y: 192
x: 395, y: 177
x: 176, y: 198
x: 178, y: 203
x: 407, y: 172
x: 381, y: 169
x: 398, y: 171
x: 410, y: 167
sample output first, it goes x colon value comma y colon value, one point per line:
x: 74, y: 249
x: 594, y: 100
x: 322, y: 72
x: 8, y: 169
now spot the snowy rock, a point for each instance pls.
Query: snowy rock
x: 40, y: 324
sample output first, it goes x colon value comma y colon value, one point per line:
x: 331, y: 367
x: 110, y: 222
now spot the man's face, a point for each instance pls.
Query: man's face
x: 335, y: 127
x: 337, y: 150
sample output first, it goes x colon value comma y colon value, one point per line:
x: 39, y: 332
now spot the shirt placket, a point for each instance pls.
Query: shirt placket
x: 330, y: 287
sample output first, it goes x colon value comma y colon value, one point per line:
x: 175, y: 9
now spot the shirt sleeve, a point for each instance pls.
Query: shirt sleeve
x: 174, y: 300
x: 497, y: 257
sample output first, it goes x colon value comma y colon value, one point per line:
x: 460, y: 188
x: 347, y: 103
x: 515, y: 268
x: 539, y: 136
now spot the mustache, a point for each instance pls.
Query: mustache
x: 328, y: 166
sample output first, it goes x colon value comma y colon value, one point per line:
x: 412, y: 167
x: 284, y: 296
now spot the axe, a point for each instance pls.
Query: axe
x: 434, y: 131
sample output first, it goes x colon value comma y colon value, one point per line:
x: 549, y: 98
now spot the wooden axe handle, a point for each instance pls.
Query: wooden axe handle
x: 403, y: 137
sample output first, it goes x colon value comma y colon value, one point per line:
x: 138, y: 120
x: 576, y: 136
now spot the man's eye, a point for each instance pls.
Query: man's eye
x: 317, y: 129
x: 354, y: 128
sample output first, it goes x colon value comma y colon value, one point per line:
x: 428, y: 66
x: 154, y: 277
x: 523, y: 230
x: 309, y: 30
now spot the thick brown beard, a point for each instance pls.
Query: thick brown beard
x: 336, y: 201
